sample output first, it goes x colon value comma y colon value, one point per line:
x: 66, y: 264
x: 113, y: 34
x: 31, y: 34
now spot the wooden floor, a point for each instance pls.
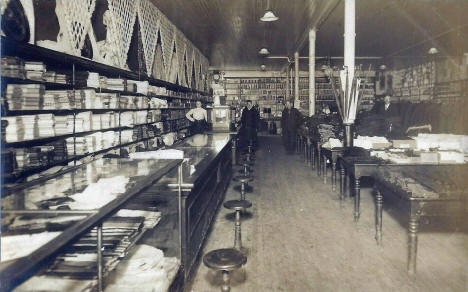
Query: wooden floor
x: 300, y: 238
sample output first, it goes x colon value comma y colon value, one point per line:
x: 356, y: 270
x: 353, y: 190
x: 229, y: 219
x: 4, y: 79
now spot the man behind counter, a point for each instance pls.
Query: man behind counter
x: 198, y: 118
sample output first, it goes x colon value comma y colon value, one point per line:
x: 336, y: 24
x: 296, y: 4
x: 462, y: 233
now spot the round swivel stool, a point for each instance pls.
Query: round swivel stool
x: 246, y: 169
x: 225, y: 260
x: 244, y: 187
x: 238, y: 206
x: 249, y: 157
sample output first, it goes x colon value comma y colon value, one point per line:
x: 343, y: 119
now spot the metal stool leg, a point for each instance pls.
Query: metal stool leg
x: 226, y: 286
x: 238, y: 236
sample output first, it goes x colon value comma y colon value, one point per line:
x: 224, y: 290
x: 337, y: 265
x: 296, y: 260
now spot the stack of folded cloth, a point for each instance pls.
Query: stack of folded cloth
x: 25, y: 96
x: 45, y: 124
x: 117, y: 84
x: 158, y: 103
x: 141, y: 117
x: 13, y: 67
x: 61, y: 125
x: 126, y: 136
x: 83, y: 122
x: 58, y: 99
x: 92, y: 80
x: 154, y: 116
x: 35, y: 70
x: 127, y: 119
x: 127, y: 102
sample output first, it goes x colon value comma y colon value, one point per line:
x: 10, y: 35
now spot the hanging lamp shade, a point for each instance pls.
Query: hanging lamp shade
x: 433, y: 51
x: 269, y: 16
x: 264, y: 51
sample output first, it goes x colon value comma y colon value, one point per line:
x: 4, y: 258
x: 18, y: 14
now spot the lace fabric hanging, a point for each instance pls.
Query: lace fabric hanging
x: 189, y: 52
x: 167, y: 40
x: 74, y: 18
x: 119, y: 19
x: 180, y: 44
x: 149, y: 23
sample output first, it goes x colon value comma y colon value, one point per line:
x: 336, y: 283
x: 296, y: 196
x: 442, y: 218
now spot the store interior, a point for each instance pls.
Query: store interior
x: 263, y: 145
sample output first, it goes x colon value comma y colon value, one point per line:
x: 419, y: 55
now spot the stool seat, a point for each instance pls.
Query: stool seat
x: 226, y: 259
x: 237, y: 204
x: 243, y: 178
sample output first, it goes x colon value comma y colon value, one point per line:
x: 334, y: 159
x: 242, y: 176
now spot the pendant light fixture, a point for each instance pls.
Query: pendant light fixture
x: 264, y: 52
x: 269, y: 16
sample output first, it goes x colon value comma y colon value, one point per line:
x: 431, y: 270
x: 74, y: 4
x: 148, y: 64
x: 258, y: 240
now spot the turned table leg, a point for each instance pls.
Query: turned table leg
x: 412, y: 243
x: 325, y: 170
x: 342, y: 188
x: 333, y: 176
x: 319, y: 161
x: 312, y: 150
x: 357, y: 198
x: 378, y: 215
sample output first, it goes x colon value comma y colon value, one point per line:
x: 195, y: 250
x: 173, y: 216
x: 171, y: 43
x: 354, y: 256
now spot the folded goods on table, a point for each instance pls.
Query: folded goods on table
x: 374, y: 142
x: 159, y: 154
x: 16, y: 246
x: 332, y: 143
x: 451, y: 157
x: 98, y: 194
x: 442, y: 142
x: 146, y: 269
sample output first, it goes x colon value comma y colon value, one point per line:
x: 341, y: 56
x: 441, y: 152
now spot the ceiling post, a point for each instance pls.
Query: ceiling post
x: 349, y: 38
x: 287, y: 82
x: 312, y: 37
x: 297, y: 103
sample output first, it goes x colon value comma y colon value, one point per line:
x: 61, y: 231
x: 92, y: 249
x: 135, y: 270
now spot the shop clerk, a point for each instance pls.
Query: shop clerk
x: 198, y: 118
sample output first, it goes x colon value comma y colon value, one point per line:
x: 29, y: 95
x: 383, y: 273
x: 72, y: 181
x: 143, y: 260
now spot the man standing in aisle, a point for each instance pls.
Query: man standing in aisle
x: 290, y: 120
x: 249, y: 124
x: 198, y: 118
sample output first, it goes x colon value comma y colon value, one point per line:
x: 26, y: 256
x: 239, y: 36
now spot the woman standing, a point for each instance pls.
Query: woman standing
x: 198, y: 118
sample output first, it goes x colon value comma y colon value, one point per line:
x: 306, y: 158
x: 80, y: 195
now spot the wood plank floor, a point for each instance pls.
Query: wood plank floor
x: 300, y: 238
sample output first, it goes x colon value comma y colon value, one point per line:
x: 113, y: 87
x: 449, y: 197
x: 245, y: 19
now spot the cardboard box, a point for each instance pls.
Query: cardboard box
x: 406, y: 144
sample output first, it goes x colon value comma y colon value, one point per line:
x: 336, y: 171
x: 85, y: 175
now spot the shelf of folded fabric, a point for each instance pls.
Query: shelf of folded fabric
x: 119, y: 183
x: 50, y: 85
x: 14, y: 48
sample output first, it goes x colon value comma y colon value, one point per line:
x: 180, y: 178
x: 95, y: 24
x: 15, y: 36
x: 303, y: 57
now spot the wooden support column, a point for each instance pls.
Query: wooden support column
x: 349, y: 37
x: 296, y: 81
x: 312, y: 36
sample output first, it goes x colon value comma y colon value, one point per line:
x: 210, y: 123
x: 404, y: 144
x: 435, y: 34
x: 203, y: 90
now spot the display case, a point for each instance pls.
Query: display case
x: 78, y: 230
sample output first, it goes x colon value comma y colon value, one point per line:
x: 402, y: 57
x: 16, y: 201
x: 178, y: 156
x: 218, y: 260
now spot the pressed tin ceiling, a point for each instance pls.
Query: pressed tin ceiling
x: 230, y: 33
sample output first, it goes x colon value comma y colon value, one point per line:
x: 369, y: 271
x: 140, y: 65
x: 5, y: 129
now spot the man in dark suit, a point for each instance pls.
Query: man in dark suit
x: 390, y: 115
x: 249, y: 122
x: 290, y: 120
